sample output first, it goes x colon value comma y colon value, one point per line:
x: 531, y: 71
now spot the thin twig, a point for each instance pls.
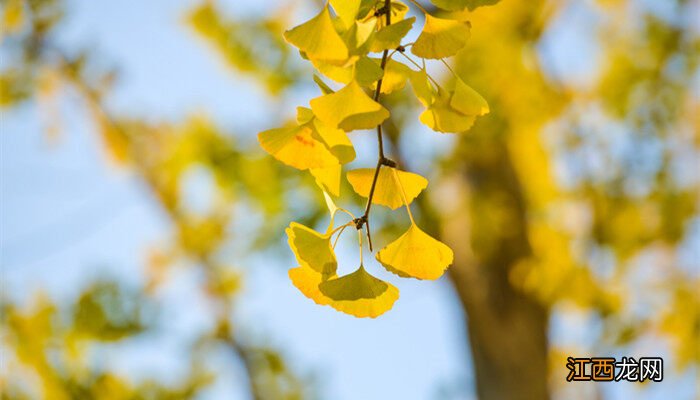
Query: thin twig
x: 381, y: 160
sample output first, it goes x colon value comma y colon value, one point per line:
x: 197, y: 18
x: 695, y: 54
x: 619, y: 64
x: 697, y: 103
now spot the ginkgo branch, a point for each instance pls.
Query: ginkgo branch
x: 381, y: 159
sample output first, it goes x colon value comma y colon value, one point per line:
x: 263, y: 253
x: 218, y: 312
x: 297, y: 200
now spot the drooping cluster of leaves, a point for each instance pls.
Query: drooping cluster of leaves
x: 339, y: 42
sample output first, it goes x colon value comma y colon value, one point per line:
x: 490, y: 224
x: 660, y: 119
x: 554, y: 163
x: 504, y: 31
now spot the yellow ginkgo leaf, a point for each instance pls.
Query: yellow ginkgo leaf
x: 390, y: 36
x: 328, y: 178
x: 360, y: 36
x: 304, y: 115
x: 296, y: 146
x: 349, y: 109
x: 359, y: 294
x: 395, y: 76
x: 318, y: 39
x: 312, y: 249
x: 398, y: 13
x: 422, y: 87
x: 307, y: 280
x: 387, y: 191
x: 336, y: 140
x: 441, y: 38
x: 441, y: 117
x: 416, y: 254
x: 446, y: 120
x: 365, y: 71
x: 346, y: 10
x: 467, y: 101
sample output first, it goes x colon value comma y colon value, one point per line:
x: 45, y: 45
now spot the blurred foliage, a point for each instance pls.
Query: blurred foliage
x: 605, y: 171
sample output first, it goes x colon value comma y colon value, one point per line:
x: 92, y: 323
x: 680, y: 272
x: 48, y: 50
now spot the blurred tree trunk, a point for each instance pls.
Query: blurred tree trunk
x: 507, y: 329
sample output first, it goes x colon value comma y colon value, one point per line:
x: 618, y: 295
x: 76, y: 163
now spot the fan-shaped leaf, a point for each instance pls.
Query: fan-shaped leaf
x: 346, y: 10
x: 328, y: 178
x: 360, y: 36
x: 395, y: 76
x: 422, y: 87
x: 416, y: 254
x: 318, y: 39
x: 312, y: 249
x: 296, y: 146
x: 307, y: 280
x: 441, y: 38
x: 387, y: 192
x: 390, y: 36
x: 360, y: 294
x: 441, y: 117
x: 349, y: 108
x: 467, y: 101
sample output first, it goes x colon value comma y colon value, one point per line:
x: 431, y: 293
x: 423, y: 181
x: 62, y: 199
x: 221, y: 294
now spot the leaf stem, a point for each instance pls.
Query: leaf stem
x: 403, y: 196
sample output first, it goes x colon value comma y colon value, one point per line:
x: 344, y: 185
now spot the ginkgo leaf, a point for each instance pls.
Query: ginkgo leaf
x: 307, y: 280
x: 365, y: 71
x: 387, y: 191
x: 359, y: 37
x: 390, y: 36
x: 337, y: 73
x: 455, y: 5
x: 328, y: 178
x: 304, y: 115
x: 398, y: 13
x: 346, y: 10
x: 416, y: 254
x: 422, y: 87
x: 336, y: 140
x: 467, y: 101
x: 441, y: 38
x: 349, y: 108
x: 318, y: 39
x: 312, y: 249
x: 440, y: 117
x: 395, y: 76
x: 454, y: 112
x: 296, y: 146
x: 359, y: 294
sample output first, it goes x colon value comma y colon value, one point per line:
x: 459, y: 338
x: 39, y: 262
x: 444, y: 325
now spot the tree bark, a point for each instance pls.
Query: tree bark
x: 488, y: 232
